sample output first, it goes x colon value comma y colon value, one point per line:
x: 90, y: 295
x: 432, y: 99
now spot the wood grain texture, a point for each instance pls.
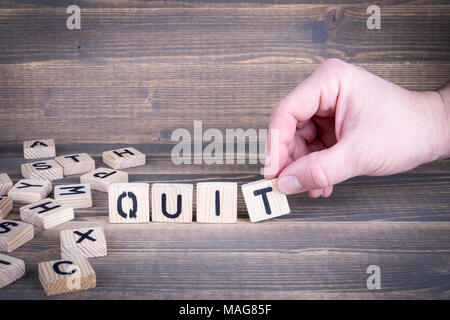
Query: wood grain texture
x: 74, y: 164
x: 46, y: 213
x: 74, y: 195
x: 273, y: 259
x: 101, y: 178
x: 5, y: 184
x: 422, y: 194
x: 264, y: 201
x: 86, y: 242
x: 6, y: 204
x: 74, y: 275
x: 172, y: 202
x: 42, y: 170
x: 294, y: 33
x: 149, y: 101
x: 129, y: 203
x: 14, y: 234
x: 17, y: 4
x: 216, y: 202
x: 29, y: 190
x: 11, y: 269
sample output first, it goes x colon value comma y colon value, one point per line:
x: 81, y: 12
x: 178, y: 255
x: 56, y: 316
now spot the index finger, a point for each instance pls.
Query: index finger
x: 317, y: 94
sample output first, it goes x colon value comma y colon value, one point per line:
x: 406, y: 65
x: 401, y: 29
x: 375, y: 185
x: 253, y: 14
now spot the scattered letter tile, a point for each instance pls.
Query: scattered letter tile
x: 264, y: 200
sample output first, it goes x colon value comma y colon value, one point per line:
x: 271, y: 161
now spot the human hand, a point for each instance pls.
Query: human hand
x: 343, y: 121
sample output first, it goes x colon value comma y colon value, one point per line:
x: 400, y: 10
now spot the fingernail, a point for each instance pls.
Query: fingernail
x: 289, y: 185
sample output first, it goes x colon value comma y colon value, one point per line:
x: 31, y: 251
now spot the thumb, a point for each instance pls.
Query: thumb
x: 318, y: 170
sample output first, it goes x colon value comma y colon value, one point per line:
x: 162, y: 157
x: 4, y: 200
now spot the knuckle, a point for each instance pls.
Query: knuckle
x: 334, y: 62
x: 335, y: 65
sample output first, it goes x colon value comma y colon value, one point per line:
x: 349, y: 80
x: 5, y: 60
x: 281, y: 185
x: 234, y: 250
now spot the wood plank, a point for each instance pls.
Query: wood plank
x: 146, y: 102
x: 275, y: 259
x: 286, y: 34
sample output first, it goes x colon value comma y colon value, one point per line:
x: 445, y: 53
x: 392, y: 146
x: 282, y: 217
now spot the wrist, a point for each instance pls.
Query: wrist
x: 436, y: 126
x: 444, y: 95
x: 440, y: 101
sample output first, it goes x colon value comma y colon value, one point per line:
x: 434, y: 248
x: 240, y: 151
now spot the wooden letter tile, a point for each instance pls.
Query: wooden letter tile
x: 74, y: 195
x: 28, y: 190
x: 14, y: 234
x: 124, y: 158
x: 42, y: 170
x: 46, y: 213
x: 83, y: 242
x: 76, y: 163
x: 11, y: 269
x: 65, y: 276
x: 129, y: 203
x: 101, y: 178
x: 217, y: 202
x: 36, y: 149
x: 264, y: 200
x: 5, y: 184
x: 6, y: 205
x: 172, y: 202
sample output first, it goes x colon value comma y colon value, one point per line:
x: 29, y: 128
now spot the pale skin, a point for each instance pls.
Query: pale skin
x: 343, y: 121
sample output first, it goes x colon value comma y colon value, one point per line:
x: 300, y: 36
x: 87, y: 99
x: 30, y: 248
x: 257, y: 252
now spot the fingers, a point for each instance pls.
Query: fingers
x: 318, y: 171
x: 316, y: 95
x: 327, y: 130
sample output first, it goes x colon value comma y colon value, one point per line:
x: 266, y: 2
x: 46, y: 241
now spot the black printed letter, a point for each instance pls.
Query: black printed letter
x: 123, y: 152
x: 74, y: 157
x: 59, y: 271
x: 27, y: 185
x: 133, y: 211
x: 44, y: 207
x: 5, y: 262
x: 263, y: 192
x: 41, y: 165
x: 73, y: 190
x: 5, y: 226
x: 217, y: 203
x: 103, y: 175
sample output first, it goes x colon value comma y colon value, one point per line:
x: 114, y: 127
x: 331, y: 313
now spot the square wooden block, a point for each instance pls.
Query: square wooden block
x: 46, y: 213
x: 6, y: 205
x: 124, y: 158
x: 100, y: 179
x: 36, y: 149
x: 42, y: 170
x: 5, y: 184
x: 11, y: 269
x: 217, y: 202
x: 172, y: 202
x: 29, y: 190
x: 65, y: 276
x: 14, y: 234
x: 83, y: 242
x: 78, y: 163
x: 129, y: 203
x: 264, y: 200
x: 74, y: 195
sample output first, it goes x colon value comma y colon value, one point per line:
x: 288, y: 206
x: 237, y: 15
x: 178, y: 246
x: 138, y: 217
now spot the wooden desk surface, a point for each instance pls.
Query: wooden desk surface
x: 138, y: 70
